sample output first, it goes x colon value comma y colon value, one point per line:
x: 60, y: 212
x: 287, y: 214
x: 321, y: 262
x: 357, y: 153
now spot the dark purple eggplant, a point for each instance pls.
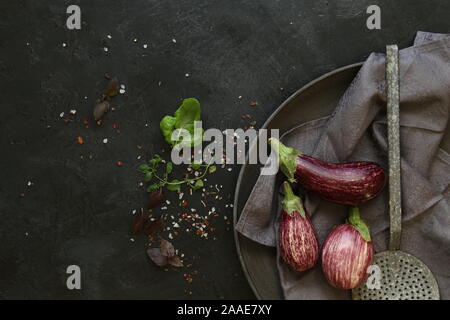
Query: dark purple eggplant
x: 350, y: 183
x: 298, y: 243
x: 347, y: 253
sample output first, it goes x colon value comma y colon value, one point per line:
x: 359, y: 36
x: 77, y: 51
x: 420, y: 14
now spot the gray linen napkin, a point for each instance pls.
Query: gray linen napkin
x: 357, y: 131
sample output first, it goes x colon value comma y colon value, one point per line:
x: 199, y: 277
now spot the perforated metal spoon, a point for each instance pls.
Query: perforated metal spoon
x: 402, y: 276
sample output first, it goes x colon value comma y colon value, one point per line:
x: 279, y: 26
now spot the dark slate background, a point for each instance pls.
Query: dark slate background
x: 78, y: 211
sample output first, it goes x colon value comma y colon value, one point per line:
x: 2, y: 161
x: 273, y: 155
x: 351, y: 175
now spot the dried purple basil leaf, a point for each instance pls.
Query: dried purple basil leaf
x: 112, y: 88
x: 139, y: 223
x: 155, y: 198
x: 167, y: 248
x: 175, y: 261
x: 157, y: 257
x: 155, y: 226
x: 101, y: 107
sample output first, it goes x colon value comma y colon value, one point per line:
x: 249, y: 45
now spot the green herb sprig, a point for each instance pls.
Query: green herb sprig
x: 151, y: 169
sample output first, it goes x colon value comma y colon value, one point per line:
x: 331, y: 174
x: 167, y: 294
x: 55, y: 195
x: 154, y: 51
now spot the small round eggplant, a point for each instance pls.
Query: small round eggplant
x: 347, y: 253
x: 350, y: 183
x: 298, y: 243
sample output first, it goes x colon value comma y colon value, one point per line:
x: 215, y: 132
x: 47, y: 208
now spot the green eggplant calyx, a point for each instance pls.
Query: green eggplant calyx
x: 287, y: 158
x: 354, y: 219
x: 292, y: 203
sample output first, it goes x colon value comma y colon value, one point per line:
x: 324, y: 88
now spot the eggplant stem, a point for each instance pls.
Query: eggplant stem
x: 354, y: 219
x: 287, y: 158
x: 292, y: 203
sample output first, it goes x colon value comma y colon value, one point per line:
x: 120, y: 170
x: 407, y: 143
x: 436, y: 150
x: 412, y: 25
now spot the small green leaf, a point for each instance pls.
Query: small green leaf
x: 153, y: 187
x: 195, y: 166
x: 156, y: 160
x: 169, y: 167
x: 143, y: 168
x: 148, y: 176
x: 197, y: 185
x: 212, y: 169
x: 174, y: 185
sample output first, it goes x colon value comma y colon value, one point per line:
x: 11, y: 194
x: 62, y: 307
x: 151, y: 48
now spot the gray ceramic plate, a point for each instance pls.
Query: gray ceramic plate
x: 315, y: 100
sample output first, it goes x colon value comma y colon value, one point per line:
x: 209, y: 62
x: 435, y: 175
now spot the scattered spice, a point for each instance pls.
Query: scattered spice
x: 119, y: 163
x: 80, y: 140
x: 253, y: 103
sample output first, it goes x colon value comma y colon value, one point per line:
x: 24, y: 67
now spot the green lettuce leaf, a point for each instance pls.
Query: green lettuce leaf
x: 184, y: 118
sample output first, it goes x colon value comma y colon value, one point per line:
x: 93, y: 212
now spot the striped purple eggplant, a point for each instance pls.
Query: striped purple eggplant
x: 298, y: 243
x: 350, y: 183
x: 347, y: 253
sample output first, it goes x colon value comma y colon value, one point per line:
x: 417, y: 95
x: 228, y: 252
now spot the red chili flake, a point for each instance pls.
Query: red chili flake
x: 119, y: 163
x: 86, y: 121
x: 80, y: 140
x: 228, y: 222
x: 184, y: 203
x: 151, y: 239
x: 253, y: 103
x: 114, y: 125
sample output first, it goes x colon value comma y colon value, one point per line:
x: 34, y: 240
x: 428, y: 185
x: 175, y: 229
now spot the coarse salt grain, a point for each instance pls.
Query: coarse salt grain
x: 174, y: 40
x: 105, y: 140
x: 105, y: 49
x: 145, y: 46
x: 73, y: 111
x: 61, y: 114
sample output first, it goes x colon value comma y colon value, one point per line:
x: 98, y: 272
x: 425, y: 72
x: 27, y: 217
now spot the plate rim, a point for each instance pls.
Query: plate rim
x: 244, y: 166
